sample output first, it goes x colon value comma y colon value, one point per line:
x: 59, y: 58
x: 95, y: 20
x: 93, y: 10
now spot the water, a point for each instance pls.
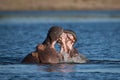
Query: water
x: 98, y: 39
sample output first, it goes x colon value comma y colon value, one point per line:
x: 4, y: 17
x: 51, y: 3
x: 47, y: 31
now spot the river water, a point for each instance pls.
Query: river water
x: 98, y: 34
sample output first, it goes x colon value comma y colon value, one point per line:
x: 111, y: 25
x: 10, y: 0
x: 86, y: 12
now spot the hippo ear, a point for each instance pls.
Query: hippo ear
x: 41, y: 47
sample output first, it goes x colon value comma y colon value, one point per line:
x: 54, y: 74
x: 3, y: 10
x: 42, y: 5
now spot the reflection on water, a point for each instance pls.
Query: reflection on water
x: 58, y: 68
x: 67, y: 68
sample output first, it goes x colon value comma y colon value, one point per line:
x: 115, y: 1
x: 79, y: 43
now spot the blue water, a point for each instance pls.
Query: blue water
x: 98, y: 39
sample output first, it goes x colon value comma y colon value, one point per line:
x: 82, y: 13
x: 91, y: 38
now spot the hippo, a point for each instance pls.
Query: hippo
x: 46, y: 52
x: 69, y: 53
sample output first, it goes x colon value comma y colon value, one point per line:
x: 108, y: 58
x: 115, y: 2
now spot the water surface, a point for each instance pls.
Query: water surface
x: 98, y: 36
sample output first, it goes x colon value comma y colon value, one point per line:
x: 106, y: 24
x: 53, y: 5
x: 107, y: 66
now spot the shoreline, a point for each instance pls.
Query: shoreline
x: 64, y: 13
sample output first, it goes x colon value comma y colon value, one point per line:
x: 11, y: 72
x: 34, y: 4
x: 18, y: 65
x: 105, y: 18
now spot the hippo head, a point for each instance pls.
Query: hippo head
x: 53, y: 34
